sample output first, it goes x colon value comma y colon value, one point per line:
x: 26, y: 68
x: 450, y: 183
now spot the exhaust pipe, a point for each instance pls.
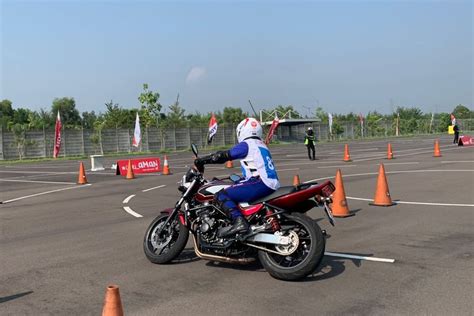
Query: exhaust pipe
x: 220, y: 258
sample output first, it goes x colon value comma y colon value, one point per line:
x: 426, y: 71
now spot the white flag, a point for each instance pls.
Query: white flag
x: 330, y: 123
x: 212, y: 128
x: 137, y: 134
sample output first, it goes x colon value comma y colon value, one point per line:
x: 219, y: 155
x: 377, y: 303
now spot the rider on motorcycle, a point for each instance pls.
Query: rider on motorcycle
x: 260, y: 176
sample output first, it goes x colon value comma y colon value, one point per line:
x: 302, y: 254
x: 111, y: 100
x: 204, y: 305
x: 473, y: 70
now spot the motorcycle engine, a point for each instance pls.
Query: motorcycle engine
x: 208, y: 228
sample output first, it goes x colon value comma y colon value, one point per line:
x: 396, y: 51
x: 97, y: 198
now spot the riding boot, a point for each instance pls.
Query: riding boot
x: 239, y: 225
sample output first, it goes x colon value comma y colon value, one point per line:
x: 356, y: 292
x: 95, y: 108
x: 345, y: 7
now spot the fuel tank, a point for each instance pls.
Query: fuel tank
x: 207, y: 192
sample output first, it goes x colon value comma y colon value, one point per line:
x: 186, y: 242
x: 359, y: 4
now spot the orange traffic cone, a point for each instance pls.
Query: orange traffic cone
x: 82, y: 175
x: 229, y: 164
x: 112, y: 302
x: 389, y: 151
x: 296, y: 180
x: 339, y: 202
x: 347, y: 156
x: 130, y: 174
x: 437, y: 152
x: 382, y: 194
x: 166, y: 168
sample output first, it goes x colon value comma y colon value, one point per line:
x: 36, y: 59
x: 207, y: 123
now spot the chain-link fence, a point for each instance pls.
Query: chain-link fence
x: 81, y: 142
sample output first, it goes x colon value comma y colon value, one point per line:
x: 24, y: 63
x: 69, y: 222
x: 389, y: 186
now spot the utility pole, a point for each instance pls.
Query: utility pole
x: 309, y: 110
x: 253, y: 109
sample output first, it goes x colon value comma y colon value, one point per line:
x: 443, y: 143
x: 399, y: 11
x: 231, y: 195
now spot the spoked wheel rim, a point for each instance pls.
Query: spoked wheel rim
x: 159, y: 242
x: 302, y: 251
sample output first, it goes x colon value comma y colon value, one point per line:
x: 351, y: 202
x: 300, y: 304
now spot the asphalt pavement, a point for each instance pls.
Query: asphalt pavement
x: 61, y: 244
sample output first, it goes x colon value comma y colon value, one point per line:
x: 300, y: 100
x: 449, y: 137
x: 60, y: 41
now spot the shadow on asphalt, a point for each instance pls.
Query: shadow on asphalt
x: 354, y: 212
x: 14, y: 297
x: 255, y: 266
x: 187, y: 255
x: 330, y: 268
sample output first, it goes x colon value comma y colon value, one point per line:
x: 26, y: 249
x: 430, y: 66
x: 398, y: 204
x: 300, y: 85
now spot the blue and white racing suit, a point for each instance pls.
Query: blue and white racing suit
x: 260, y: 176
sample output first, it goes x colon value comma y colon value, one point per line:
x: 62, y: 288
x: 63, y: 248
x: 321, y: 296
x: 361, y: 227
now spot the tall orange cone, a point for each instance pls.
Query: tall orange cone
x: 82, y: 175
x: 347, y: 156
x: 389, y: 151
x: 112, y: 302
x: 166, y: 168
x: 229, y: 164
x: 382, y: 194
x: 296, y: 180
x: 339, y: 201
x: 130, y: 174
x: 437, y: 152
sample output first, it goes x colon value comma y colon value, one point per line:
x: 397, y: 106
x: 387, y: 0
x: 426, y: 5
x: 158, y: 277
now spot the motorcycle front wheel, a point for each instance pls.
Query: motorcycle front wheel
x: 163, y: 247
x: 303, y: 260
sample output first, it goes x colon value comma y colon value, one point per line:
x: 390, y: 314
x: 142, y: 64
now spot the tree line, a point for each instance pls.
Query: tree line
x: 151, y: 114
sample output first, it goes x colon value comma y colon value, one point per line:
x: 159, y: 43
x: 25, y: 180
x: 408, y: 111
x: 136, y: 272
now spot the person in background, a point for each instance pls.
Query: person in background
x: 456, y: 133
x: 309, y: 140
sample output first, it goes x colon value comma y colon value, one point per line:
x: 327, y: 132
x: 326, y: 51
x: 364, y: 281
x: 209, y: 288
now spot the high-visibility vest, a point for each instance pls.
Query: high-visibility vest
x: 308, y: 138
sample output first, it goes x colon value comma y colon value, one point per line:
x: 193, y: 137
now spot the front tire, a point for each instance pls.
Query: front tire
x: 166, y: 246
x: 305, y: 259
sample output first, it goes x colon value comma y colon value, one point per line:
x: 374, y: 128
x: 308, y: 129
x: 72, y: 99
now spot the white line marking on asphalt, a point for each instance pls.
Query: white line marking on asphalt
x: 160, y: 186
x: 352, y: 151
x: 404, y: 155
x: 303, y: 160
x: 343, y: 255
x: 401, y: 163
x: 131, y: 212
x: 389, y: 172
x: 41, y: 167
x: 289, y: 169
x: 457, y: 161
x: 34, y: 181
x: 47, y: 192
x: 43, y: 172
x: 128, y: 198
x: 415, y: 203
x: 340, y: 166
x: 401, y: 171
x: 51, y: 172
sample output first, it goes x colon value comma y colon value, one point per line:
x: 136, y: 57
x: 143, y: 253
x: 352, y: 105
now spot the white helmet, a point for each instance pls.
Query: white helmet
x: 249, y: 127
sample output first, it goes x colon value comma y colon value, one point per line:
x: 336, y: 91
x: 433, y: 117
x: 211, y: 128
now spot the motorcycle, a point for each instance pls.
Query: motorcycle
x: 288, y: 243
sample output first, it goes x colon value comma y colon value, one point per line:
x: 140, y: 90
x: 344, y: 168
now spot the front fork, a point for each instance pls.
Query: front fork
x: 177, y: 207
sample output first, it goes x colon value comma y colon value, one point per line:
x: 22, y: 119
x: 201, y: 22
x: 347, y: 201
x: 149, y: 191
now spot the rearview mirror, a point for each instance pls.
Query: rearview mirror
x: 194, y: 149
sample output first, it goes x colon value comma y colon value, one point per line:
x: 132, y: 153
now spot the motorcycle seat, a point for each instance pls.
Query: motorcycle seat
x: 281, y: 191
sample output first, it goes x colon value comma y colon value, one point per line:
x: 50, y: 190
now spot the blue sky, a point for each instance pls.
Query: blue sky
x: 345, y: 56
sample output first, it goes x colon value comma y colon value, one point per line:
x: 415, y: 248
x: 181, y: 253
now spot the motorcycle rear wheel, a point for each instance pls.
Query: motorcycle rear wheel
x: 305, y: 259
x: 169, y: 244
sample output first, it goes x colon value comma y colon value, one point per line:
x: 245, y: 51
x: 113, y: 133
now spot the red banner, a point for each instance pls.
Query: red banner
x: 57, y: 136
x: 142, y: 165
x: 466, y: 140
x: 272, y: 130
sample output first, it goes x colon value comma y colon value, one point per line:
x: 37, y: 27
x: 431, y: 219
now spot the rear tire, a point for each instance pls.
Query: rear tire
x: 306, y: 258
x: 166, y: 247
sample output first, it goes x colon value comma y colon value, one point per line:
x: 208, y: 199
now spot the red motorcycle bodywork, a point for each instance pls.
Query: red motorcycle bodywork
x: 247, y: 211
x: 286, y: 201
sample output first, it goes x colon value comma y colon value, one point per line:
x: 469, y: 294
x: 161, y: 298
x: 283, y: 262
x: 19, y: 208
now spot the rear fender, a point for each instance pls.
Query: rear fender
x: 304, y: 206
x: 301, y: 207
